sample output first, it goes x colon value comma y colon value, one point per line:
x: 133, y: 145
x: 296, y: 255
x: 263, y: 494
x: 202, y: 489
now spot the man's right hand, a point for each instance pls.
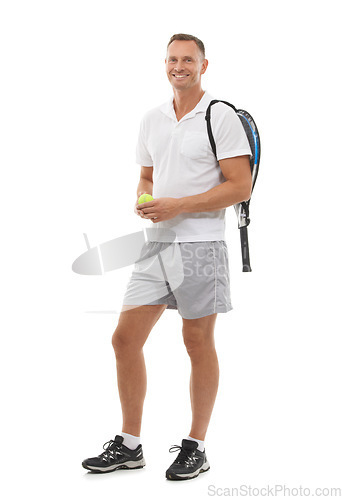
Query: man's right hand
x: 139, y: 212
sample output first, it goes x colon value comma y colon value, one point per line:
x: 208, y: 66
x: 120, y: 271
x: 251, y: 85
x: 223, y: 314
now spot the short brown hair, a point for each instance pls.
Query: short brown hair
x: 182, y: 36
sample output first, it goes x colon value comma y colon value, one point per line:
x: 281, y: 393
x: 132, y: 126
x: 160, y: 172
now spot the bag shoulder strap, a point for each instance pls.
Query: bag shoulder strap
x: 207, y: 117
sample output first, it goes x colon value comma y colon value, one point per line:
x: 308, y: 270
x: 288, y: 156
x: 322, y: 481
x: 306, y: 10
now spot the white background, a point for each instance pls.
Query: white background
x: 77, y: 77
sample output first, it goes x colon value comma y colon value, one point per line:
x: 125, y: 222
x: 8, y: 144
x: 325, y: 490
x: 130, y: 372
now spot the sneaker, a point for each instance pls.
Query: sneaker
x: 189, y: 463
x: 116, y: 456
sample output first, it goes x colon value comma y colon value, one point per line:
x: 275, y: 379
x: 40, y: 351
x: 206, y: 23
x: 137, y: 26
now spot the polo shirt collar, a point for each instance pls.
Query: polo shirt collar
x: 201, y: 107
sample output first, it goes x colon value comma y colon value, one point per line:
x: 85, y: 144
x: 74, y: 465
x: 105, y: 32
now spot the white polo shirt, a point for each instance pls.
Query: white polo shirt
x: 184, y: 163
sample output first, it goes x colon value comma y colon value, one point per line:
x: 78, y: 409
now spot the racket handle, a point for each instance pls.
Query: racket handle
x: 246, y: 267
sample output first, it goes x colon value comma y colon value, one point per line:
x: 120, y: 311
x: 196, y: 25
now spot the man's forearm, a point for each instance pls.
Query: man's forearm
x: 217, y: 198
x: 145, y: 186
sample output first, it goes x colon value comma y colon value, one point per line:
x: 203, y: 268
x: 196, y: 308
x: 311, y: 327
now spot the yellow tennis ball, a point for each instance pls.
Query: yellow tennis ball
x: 144, y: 198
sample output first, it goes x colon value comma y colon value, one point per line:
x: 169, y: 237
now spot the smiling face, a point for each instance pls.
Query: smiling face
x: 185, y: 64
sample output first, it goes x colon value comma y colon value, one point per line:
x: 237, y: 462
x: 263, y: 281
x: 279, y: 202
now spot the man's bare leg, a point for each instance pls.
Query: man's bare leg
x: 198, y: 335
x: 134, y: 326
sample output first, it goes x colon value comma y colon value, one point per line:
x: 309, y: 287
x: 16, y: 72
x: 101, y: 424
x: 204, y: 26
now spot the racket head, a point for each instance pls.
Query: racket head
x: 251, y: 130
x: 252, y: 133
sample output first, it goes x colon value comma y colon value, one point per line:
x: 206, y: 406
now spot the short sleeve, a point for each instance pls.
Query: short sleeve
x: 143, y: 156
x: 229, y: 134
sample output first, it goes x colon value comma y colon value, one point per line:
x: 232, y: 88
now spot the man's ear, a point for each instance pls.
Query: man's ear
x: 204, y: 66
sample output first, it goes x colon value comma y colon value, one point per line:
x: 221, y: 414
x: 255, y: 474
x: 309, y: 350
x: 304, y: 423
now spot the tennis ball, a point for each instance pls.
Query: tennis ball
x: 144, y: 198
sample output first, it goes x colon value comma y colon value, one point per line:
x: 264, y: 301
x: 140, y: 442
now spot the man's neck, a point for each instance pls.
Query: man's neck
x: 184, y: 102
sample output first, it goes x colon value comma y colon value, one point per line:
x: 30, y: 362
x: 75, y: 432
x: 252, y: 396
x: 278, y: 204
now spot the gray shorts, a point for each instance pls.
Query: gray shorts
x: 192, y: 277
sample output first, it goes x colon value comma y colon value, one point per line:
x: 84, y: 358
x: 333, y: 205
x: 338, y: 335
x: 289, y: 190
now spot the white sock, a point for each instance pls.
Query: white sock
x: 130, y: 441
x: 200, y: 446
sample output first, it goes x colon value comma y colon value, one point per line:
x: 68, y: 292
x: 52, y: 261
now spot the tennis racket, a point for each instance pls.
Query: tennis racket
x: 242, y: 209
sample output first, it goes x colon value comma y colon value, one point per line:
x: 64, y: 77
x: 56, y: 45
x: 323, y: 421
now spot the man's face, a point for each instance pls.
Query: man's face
x: 184, y: 64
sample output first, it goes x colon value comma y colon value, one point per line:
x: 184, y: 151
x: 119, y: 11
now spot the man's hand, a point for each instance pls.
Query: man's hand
x: 138, y: 211
x: 159, y: 209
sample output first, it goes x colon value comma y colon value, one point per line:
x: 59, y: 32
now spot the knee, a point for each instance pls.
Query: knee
x: 196, y: 343
x: 116, y: 341
x: 121, y: 342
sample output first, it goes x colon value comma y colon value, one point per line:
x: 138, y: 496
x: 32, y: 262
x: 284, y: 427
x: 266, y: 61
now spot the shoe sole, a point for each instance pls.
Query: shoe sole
x: 181, y: 477
x: 131, y: 465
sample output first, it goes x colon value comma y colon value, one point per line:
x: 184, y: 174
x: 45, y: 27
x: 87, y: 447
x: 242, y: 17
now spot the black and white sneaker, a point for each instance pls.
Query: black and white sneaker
x: 116, y: 456
x: 189, y: 463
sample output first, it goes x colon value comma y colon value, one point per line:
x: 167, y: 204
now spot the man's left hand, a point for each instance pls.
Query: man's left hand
x: 161, y: 209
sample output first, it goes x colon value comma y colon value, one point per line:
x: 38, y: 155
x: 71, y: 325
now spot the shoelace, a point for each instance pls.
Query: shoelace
x: 184, y: 454
x: 109, y: 453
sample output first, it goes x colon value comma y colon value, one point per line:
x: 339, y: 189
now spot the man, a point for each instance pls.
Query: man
x: 191, y: 190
